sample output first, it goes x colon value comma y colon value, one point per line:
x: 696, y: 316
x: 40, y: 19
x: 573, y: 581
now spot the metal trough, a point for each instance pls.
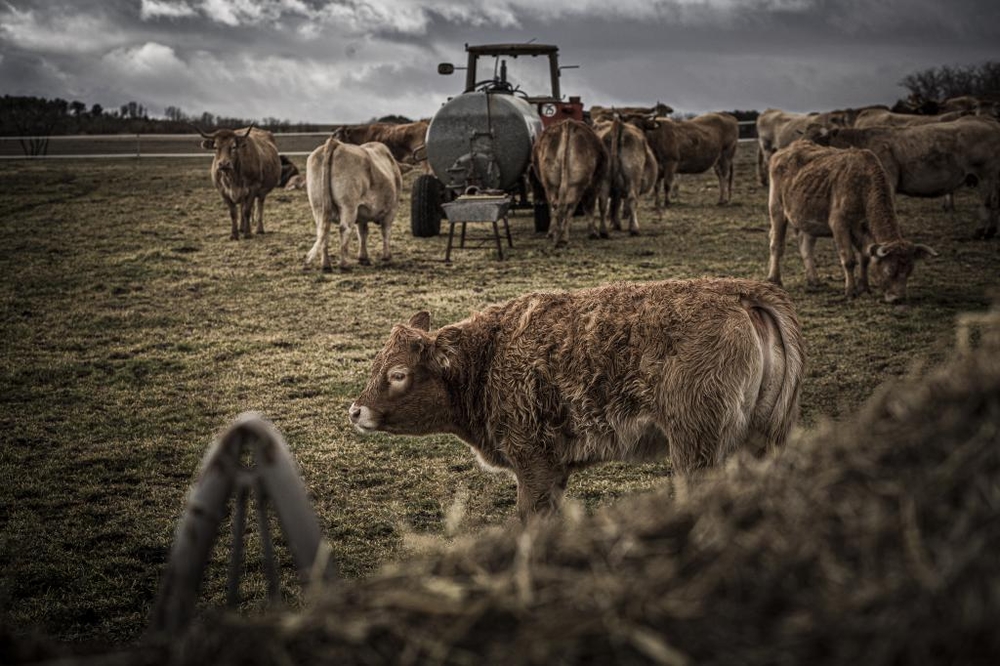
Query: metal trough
x: 478, y: 208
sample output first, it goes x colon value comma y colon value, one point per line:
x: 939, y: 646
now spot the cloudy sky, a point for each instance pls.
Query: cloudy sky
x: 352, y: 60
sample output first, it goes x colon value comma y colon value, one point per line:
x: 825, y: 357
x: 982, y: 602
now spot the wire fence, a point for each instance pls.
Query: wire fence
x: 139, y: 146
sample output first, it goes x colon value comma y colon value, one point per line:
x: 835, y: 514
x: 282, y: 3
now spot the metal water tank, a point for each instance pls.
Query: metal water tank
x: 482, y: 139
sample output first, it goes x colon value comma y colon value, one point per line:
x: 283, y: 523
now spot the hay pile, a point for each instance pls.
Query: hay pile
x: 875, y: 541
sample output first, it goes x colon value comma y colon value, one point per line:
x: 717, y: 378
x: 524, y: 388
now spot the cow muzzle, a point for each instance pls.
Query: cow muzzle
x: 362, y: 418
x: 225, y: 166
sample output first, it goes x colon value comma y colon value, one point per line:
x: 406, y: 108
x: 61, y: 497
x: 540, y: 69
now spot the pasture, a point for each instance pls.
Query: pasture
x: 134, y: 330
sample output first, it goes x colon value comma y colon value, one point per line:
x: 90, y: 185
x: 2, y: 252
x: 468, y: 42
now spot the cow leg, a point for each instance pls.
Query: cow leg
x: 235, y: 233
x: 348, y: 219
x: 668, y: 185
x: 861, y: 246
x: 260, y: 214
x: 989, y: 210
x: 848, y: 260
x: 246, y: 210
x: 560, y: 236
x: 761, y: 165
x: 602, y: 213
x: 616, y: 206
x: 632, y: 211
x: 540, y: 488
x: 320, y: 246
x: 779, y: 226
x: 807, y: 244
x: 362, y: 229
x: 386, y: 230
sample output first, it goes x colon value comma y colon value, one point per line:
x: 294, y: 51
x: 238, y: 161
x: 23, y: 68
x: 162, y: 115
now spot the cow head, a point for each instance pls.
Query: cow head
x: 226, y: 143
x: 406, y: 392
x: 892, y: 264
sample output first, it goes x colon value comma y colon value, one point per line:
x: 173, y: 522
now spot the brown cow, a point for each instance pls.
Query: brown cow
x: 632, y: 171
x: 571, y: 163
x: 777, y: 129
x: 288, y: 171
x: 244, y: 169
x: 549, y: 383
x: 935, y: 159
x: 693, y: 146
x: 844, y: 194
x: 403, y: 140
x: 355, y: 185
x: 884, y: 118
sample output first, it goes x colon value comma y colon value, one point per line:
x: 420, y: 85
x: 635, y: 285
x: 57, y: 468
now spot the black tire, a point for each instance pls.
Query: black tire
x: 542, y: 220
x: 425, y: 206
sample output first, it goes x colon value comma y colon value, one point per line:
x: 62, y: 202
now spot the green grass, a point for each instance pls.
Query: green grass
x: 133, y: 331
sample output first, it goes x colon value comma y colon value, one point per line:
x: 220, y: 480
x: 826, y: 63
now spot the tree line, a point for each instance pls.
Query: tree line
x: 941, y: 83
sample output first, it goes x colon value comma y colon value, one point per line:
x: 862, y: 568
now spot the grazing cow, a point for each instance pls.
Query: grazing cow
x: 934, y: 159
x: 403, y: 140
x: 777, y: 129
x: 844, y: 194
x: 693, y: 146
x: 632, y: 171
x: 603, y: 113
x: 245, y: 168
x: 288, y: 171
x: 354, y: 185
x: 571, y: 164
x: 549, y: 383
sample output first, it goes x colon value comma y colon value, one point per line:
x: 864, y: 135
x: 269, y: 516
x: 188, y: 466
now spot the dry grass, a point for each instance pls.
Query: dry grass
x: 134, y: 330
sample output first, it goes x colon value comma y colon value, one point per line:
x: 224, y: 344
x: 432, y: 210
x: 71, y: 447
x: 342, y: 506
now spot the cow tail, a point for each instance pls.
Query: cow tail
x: 563, y: 156
x: 617, y: 171
x: 327, y: 173
x: 782, y: 321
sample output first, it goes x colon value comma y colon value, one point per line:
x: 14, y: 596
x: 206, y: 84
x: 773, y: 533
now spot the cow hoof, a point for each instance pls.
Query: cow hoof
x: 774, y: 280
x: 606, y: 235
x: 634, y: 232
x: 234, y: 237
x: 365, y: 261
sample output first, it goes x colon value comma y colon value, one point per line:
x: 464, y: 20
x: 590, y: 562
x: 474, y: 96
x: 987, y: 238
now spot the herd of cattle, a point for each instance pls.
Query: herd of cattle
x: 549, y: 383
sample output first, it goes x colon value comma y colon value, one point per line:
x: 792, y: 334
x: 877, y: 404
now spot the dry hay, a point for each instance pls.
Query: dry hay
x: 874, y: 541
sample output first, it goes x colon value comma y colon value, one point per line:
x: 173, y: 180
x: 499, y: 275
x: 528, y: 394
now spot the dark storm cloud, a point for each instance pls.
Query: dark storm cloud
x: 346, y: 61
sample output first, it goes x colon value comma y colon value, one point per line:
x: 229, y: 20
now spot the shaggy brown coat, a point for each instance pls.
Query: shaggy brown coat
x: 844, y: 194
x: 245, y: 168
x: 935, y: 159
x: 632, y: 171
x: 571, y: 164
x: 603, y: 113
x: 549, y: 383
x: 355, y: 185
x: 405, y: 141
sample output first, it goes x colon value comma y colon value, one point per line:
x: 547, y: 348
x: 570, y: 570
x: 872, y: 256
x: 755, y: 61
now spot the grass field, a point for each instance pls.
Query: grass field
x: 134, y: 330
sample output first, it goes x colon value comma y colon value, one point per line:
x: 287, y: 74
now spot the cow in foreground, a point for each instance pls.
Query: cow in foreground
x: 354, y: 185
x: 245, y: 169
x: 550, y: 383
x: 845, y: 194
x: 404, y: 140
x: 632, y: 171
x: 571, y: 163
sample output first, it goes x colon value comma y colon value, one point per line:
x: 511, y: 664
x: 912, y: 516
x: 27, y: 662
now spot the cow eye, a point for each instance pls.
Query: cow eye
x: 397, y: 376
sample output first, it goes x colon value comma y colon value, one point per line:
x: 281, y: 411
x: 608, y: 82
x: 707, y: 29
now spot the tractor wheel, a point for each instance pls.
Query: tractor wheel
x: 425, y: 206
x: 541, y: 211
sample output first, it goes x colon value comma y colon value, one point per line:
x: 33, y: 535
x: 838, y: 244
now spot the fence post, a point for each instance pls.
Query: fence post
x: 138, y: 145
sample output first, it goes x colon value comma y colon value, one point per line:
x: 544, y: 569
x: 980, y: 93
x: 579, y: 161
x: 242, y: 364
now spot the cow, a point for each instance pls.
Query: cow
x: 777, y: 129
x: 884, y: 118
x: 692, y: 146
x: 845, y: 194
x: 632, y: 171
x: 288, y: 171
x: 404, y: 140
x: 549, y: 383
x: 570, y: 163
x: 245, y: 169
x: 934, y: 159
x: 354, y: 185
x: 603, y: 113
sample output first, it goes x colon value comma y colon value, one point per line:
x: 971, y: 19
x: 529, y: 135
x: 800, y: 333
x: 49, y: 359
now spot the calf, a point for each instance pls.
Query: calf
x: 571, y: 163
x: 845, y: 194
x: 245, y: 169
x: 355, y: 185
x: 549, y: 383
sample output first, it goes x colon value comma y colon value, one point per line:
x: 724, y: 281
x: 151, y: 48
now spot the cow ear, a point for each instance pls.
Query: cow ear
x: 208, y: 144
x: 876, y: 250
x: 420, y: 321
x: 924, y: 252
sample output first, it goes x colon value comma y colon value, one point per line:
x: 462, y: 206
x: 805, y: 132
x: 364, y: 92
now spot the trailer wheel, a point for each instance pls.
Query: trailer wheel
x: 542, y: 219
x: 425, y: 206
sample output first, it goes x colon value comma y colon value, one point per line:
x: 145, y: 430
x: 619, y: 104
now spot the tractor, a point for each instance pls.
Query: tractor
x: 480, y: 141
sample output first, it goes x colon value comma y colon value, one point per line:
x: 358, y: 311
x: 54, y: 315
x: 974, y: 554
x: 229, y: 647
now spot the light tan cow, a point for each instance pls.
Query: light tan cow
x: 777, y: 129
x: 845, y: 194
x: 549, y: 383
x: 632, y: 171
x: 354, y: 185
x: 571, y: 163
x: 245, y: 168
x: 885, y: 118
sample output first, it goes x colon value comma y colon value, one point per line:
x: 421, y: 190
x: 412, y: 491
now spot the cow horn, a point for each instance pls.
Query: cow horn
x: 199, y: 131
x: 249, y: 129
